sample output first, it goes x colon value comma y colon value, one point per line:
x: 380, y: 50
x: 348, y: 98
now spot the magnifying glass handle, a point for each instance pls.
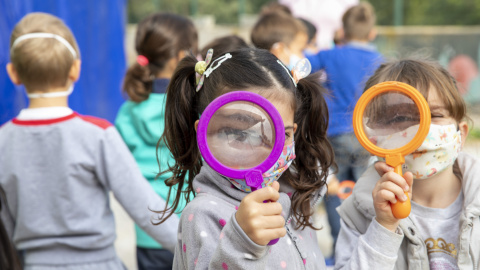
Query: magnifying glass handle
x: 400, y: 209
x: 254, y: 180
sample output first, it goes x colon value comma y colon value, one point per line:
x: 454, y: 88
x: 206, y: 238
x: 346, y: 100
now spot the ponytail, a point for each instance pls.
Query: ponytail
x: 138, y: 82
x: 314, y: 153
x: 180, y: 135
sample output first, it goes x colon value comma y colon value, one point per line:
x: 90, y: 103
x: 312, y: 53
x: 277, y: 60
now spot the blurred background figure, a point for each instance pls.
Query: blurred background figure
x: 162, y: 40
x: 281, y: 34
x: 99, y: 28
x: 347, y: 67
x: 224, y: 44
x: 312, y: 47
x: 326, y: 15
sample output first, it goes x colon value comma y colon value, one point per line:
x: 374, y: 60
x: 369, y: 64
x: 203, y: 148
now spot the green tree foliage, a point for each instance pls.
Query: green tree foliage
x: 416, y: 12
x: 435, y: 12
x: 225, y: 11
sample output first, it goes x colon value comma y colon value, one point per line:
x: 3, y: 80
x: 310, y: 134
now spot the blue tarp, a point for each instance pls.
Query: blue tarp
x: 99, y: 28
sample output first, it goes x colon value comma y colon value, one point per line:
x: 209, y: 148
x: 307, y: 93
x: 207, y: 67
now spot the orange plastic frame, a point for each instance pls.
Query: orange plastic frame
x: 393, y: 157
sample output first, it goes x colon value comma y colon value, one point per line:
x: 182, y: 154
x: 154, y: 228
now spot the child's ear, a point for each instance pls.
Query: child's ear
x: 181, y: 54
x: 339, y: 35
x: 278, y: 49
x: 463, y: 127
x: 74, y: 74
x: 294, y: 128
x: 372, y: 34
x: 12, y: 73
x: 196, y: 125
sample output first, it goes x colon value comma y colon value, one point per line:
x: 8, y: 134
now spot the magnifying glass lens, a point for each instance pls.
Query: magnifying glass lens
x: 240, y: 135
x: 391, y: 120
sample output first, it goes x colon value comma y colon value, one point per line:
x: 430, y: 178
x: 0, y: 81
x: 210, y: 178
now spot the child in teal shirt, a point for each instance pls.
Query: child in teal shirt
x: 162, y: 40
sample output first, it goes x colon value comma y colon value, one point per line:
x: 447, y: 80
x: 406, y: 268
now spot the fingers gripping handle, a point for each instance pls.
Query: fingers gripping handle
x: 254, y: 179
x: 400, y: 210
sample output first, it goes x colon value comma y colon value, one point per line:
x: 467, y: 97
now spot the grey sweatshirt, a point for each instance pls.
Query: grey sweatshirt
x: 209, y: 236
x: 364, y: 244
x: 56, y: 174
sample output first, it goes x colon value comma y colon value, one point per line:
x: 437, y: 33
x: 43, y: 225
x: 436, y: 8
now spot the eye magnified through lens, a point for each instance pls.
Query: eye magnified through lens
x: 240, y: 135
x: 391, y: 120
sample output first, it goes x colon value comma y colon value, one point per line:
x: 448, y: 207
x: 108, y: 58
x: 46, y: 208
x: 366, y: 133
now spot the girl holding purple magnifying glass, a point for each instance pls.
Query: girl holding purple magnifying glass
x: 249, y: 141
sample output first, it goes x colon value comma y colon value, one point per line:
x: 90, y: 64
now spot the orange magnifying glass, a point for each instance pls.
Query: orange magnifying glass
x: 391, y: 120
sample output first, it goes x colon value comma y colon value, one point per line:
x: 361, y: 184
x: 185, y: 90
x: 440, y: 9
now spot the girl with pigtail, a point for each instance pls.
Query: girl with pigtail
x: 162, y: 40
x: 226, y: 226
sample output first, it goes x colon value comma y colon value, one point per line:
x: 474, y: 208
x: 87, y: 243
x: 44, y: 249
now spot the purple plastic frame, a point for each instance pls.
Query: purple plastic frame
x: 253, y: 176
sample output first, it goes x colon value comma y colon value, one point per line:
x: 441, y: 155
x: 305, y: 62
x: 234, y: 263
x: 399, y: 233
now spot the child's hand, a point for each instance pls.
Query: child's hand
x: 382, y: 168
x: 388, y: 189
x: 333, y: 186
x: 262, y: 222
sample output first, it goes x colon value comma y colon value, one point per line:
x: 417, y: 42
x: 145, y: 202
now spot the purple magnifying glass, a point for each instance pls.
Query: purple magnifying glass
x: 241, y: 135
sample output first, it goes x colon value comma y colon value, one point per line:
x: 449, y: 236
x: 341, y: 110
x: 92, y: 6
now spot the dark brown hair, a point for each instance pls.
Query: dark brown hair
x: 42, y: 63
x: 224, y: 44
x: 160, y: 37
x: 254, y: 69
x: 423, y: 74
x: 275, y: 27
x: 8, y: 255
x: 358, y: 21
x: 275, y: 7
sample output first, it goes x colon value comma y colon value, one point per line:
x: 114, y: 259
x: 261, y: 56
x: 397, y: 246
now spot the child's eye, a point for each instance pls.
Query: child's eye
x: 437, y: 116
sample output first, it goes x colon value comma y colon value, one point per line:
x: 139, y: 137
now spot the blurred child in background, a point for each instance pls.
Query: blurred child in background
x: 347, y: 68
x: 224, y: 44
x: 311, y: 47
x: 283, y: 35
x: 162, y: 40
x: 57, y: 167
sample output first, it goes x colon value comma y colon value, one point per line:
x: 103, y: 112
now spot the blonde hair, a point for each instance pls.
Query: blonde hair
x: 423, y: 74
x: 358, y: 21
x: 42, y: 63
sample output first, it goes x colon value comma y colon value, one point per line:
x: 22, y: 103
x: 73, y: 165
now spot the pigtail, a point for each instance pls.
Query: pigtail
x: 138, y: 82
x: 180, y: 135
x: 314, y: 153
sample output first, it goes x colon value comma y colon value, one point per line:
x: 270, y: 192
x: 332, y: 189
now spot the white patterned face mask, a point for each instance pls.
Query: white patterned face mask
x: 274, y: 173
x: 439, y: 150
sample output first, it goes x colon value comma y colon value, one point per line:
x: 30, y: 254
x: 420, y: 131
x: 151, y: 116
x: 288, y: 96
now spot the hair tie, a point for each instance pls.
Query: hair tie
x: 142, y: 60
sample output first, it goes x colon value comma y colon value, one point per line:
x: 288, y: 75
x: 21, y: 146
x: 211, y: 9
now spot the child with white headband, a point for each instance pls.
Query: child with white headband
x: 57, y: 167
x: 443, y: 228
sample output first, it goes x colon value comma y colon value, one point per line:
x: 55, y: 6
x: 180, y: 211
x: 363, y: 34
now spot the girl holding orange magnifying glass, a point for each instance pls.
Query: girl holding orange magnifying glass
x: 443, y: 227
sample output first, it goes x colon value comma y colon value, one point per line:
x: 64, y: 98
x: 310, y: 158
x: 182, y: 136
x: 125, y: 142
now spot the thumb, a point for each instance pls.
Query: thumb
x: 382, y: 168
x: 265, y: 194
x: 276, y: 185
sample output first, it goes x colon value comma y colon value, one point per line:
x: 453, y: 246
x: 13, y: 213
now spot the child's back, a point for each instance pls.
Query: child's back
x: 348, y: 67
x: 162, y: 40
x: 57, y: 167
